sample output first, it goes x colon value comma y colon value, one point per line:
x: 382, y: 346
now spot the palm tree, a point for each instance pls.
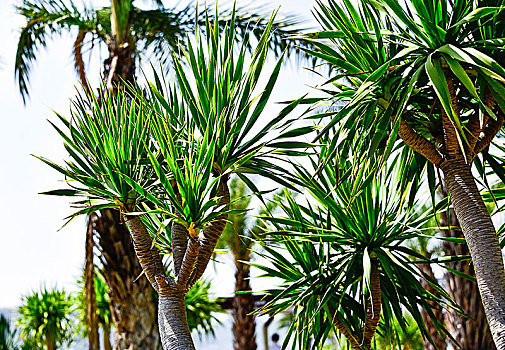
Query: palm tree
x: 239, y: 239
x: 128, y: 33
x: 170, y: 153
x: 431, y: 75
x: 46, y: 319
x: 344, y: 263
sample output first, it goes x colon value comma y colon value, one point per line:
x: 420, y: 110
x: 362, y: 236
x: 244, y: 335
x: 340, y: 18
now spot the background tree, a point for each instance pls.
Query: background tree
x: 239, y: 238
x: 46, y: 319
x: 103, y: 313
x: 438, y: 87
x: 7, y: 335
x: 129, y: 34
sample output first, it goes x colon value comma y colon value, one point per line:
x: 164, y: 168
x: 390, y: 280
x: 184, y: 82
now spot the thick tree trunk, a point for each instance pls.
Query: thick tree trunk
x: 482, y: 241
x: 173, y: 322
x: 438, y: 341
x: 472, y: 332
x: 133, y: 304
x: 244, y: 324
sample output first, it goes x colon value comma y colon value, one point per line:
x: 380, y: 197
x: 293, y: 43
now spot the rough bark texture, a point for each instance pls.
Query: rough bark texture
x: 89, y: 292
x: 119, y: 67
x: 482, y: 241
x: 172, y: 318
x: 173, y: 323
x: 373, y: 313
x: 244, y: 324
x: 353, y: 341
x: 132, y: 300
x: 211, y: 234
x: 471, y: 333
x: 439, y: 342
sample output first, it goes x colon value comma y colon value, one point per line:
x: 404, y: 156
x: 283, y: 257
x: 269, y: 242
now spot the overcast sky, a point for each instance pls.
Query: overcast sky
x: 32, y: 250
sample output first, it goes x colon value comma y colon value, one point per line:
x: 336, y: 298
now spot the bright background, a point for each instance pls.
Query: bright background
x: 32, y: 250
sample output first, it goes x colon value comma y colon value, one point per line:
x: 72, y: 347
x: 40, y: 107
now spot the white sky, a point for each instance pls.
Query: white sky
x: 32, y: 250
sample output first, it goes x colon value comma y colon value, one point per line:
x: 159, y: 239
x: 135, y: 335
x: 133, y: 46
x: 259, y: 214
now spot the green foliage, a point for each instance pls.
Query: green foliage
x: 322, y: 251
x: 7, y: 336
x: 46, y: 316
x: 153, y: 146
x: 238, y: 235
x: 152, y: 32
x: 391, y: 61
x: 410, y: 339
x: 202, y: 309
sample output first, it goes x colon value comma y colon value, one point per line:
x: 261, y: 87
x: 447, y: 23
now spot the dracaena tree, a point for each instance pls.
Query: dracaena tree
x: 342, y: 259
x: 429, y: 75
x: 168, y: 153
x: 129, y: 33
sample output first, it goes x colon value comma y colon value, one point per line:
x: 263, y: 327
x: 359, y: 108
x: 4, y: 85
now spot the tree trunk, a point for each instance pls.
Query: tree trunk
x: 132, y: 300
x: 244, y: 324
x: 89, y: 291
x: 438, y: 341
x: 482, y: 241
x: 106, y: 339
x: 50, y: 344
x: 471, y: 333
x: 119, y: 67
x: 173, y: 322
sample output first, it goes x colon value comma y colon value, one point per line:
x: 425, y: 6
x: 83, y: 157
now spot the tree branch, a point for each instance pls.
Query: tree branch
x: 342, y: 328
x: 419, y: 143
x: 149, y: 256
x: 489, y: 132
x: 212, y: 233
x: 450, y: 133
x: 78, y: 61
x: 188, y: 264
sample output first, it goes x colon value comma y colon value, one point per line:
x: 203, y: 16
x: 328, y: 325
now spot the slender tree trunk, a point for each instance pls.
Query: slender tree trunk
x: 439, y: 342
x: 472, y: 332
x: 106, y: 338
x: 244, y: 324
x: 173, y: 322
x: 265, y: 331
x: 482, y: 241
x: 132, y: 299
x: 89, y: 292
x: 50, y: 344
